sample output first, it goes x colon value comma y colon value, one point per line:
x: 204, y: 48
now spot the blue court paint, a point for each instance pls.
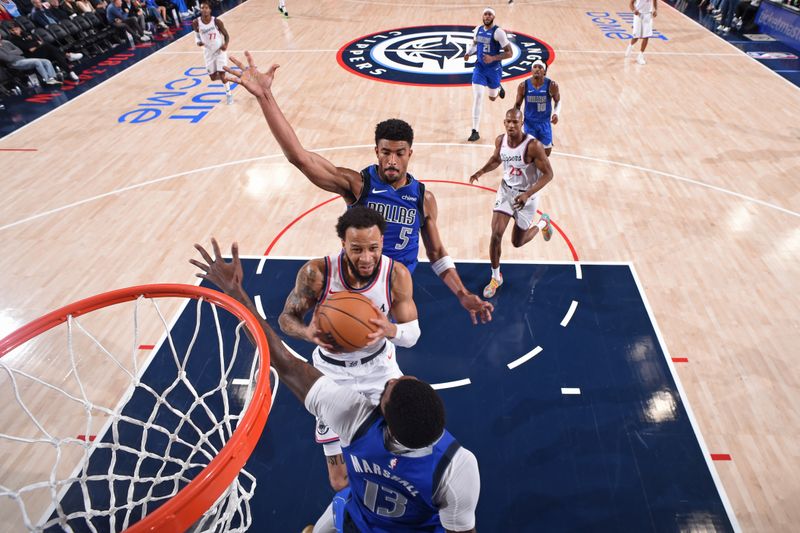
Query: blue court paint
x: 620, y: 456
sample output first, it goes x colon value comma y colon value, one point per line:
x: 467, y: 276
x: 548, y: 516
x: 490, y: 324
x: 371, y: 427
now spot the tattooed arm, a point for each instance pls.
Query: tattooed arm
x: 303, y: 298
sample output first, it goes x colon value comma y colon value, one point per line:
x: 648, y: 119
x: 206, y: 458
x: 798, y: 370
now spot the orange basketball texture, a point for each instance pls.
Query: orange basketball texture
x: 345, y: 317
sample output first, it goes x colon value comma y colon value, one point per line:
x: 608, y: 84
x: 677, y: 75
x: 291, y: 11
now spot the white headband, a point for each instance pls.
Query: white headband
x: 539, y: 62
x: 489, y: 10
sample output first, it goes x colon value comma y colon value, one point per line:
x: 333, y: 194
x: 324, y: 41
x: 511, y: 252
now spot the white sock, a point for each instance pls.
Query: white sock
x: 477, y: 105
x: 227, y: 88
x: 496, y: 273
x: 281, y: 4
x: 541, y: 224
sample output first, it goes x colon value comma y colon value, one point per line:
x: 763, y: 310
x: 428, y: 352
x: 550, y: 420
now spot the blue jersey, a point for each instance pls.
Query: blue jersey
x: 403, y: 210
x: 391, y: 492
x: 538, y: 102
x: 487, y: 45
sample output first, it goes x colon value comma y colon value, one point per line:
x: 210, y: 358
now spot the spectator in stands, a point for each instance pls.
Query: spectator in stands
x: 58, y: 11
x: 13, y: 57
x: 173, y: 13
x: 70, y: 7
x: 746, y: 15
x: 84, y: 6
x: 9, y: 8
x: 40, y: 14
x: 120, y: 20
x: 32, y: 46
x: 157, y: 12
x: 135, y: 11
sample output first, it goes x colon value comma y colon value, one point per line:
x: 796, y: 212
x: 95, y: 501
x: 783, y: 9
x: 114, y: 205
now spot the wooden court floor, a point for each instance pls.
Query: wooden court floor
x: 687, y: 167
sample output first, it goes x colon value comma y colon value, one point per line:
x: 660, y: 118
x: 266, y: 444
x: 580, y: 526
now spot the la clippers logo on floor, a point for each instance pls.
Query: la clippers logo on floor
x: 433, y: 55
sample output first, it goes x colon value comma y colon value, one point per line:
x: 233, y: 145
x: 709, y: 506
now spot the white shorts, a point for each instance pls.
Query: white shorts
x: 368, y: 379
x: 215, y: 61
x: 504, y: 203
x: 643, y: 25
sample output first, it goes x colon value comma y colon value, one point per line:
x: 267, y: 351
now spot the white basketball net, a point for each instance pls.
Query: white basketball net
x: 53, y: 474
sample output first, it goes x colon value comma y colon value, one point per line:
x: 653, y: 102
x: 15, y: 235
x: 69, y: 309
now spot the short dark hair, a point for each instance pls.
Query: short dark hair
x: 414, y: 413
x: 205, y: 2
x: 359, y: 217
x: 394, y: 129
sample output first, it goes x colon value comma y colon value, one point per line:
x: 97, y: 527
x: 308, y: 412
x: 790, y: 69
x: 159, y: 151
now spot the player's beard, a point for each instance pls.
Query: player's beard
x: 357, y: 274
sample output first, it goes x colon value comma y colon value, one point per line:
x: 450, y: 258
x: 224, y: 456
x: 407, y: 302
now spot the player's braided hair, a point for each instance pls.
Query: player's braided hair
x: 414, y: 413
x: 359, y: 217
x: 394, y: 129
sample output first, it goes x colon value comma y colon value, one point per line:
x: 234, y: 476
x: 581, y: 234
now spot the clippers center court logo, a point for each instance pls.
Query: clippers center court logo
x: 433, y: 55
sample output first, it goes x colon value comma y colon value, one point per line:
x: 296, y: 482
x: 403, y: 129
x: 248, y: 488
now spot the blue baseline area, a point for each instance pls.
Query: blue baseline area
x: 620, y: 456
x: 549, y: 462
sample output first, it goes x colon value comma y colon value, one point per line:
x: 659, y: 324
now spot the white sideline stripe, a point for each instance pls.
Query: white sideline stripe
x: 570, y: 312
x: 622, y: 52
x: 257, y: 300
x: 570, y: 390
x: 578, y: 271
x: 291, y: 351
x: 685, y: 399
x: 514, y: 364
x: 451, y: 384
x: 350, y: 147
x: 448, y: 6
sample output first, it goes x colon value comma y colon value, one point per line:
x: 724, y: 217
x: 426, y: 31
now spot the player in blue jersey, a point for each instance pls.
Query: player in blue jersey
x: 491, y: 46
x: 539, y: 93
x: 407, y: 472
x: 410, y: 210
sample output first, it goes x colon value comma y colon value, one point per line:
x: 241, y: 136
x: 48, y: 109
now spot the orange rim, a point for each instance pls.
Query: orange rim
x: 189, y: 504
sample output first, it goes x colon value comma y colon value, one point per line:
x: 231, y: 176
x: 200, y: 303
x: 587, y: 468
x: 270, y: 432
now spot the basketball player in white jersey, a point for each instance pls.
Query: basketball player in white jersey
x: 644, y: 11
x: 526, y: 169
x: 359, y: 267
x: 210, y: 33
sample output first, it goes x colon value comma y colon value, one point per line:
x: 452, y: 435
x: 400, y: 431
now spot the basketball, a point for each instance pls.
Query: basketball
x: 345, y: 317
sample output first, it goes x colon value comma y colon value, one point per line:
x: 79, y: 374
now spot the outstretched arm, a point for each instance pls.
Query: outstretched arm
x: 491, y: 164
x: 321, y: 172
x: 520, y: 96
x: 297, y: 375
x: 444, y: 267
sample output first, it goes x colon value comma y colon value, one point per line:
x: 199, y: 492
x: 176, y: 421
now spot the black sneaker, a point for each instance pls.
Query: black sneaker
x: 502, y: 93
x: 474, y: 136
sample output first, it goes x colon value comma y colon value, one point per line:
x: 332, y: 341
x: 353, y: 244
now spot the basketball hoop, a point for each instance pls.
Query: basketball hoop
x: 169, y: 452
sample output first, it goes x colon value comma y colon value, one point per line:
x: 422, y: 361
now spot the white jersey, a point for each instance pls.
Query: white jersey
x: 379, y: 291
x: 643, y: 6
x: 210, y: 35
x: 518, y: 174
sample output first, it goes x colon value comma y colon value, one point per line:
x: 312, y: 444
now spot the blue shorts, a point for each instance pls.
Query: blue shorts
x: 489, y: 77
x: 541, y: 131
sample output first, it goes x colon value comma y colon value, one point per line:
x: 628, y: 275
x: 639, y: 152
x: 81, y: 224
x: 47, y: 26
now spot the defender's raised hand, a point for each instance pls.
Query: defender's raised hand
x: 226, y: 276
x: 256, y: 82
